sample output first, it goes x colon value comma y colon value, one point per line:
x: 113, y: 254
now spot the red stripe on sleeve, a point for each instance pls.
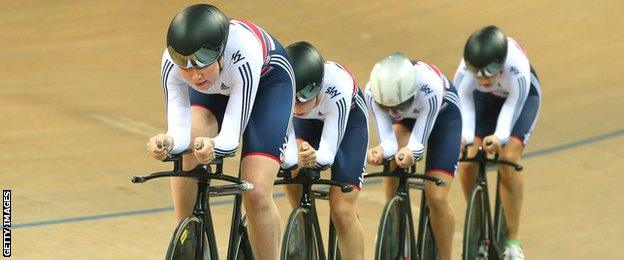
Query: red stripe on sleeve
x: 258, y: 35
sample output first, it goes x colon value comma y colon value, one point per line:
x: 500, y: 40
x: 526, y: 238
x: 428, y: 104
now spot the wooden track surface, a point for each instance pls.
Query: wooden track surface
x: 80, y: 94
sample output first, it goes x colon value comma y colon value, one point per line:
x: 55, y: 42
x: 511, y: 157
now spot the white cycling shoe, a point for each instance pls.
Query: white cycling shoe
x: 513, y: 252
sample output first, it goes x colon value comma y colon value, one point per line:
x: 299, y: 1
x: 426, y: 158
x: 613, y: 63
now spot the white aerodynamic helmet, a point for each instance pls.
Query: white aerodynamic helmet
x: 393, y: 80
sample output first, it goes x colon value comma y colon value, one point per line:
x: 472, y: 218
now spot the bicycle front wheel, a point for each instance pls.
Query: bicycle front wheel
x: 394, y: 231
x: 500, y: 224
x: 296, y: 244
x: 476, y: 243
x: 184, y: 242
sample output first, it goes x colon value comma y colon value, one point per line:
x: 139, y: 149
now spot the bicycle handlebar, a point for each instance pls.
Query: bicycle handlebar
x: 178, y: 157
x: 173, y: 157
x: 403, y: 173
x: 197, y: 173
x: 310, y: 177
x: 481, y: 157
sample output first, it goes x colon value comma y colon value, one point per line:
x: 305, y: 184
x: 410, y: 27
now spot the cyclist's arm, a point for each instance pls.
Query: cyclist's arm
x: 387, y: 139
x: 518, y: 92
x: 432, y: 101
x: 289, y: 149
x: 243, y: 75
x: 334, y: 128
x: 466, y: 86
x: 177, y: 105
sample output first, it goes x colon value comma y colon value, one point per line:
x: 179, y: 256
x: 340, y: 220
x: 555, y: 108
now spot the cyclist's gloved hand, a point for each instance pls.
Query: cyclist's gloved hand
x: 306, y: 155
x: 404, y: 158
x: 159, y: 145
x: 204, y: 149
x: 375, y: 155
x: 491, y: 144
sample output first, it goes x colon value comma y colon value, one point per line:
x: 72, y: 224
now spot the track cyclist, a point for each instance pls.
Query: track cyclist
x: 332, y: 131
x: 415, y: 105
x: 224, y: 79
x: 500, y: 98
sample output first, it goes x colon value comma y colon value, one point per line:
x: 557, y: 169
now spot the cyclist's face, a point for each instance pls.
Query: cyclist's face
x: 395, y: 113
x: 486, y: 81
x: 201, y: 77
x: 303, y: 108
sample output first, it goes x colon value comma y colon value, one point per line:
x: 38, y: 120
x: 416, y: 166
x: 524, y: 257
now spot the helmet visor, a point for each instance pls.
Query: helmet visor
x: 201, y: 58
x: 308, y: 93
x: 488, y: 71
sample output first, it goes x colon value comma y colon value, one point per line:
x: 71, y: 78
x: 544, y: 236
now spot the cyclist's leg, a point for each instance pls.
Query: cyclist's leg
x: 442, y: 151
x: 512, y: 188
x: 293, y: 192
x: 487, y: 108
x: 441, y: 213
x: 349, y: 166
x: 343, y: 207
x: 204, y: 122
x: 264, y: 224
x: 263, y: 142
x: 308, y: 130
x: 402, y: 131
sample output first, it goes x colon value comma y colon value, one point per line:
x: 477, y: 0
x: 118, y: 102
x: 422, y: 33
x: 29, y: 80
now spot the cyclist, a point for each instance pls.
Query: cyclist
x: 415, y: 105
x: 332, y: 131
x: 500, y: 100
x: 224, y: 79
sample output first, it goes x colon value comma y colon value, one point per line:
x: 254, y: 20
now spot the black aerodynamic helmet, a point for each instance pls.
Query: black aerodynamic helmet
x: 309, y: 68
x: 197, y: 36
x: 486, y: 50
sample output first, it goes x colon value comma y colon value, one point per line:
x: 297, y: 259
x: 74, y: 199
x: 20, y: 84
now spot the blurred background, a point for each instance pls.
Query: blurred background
x: 80, y: 94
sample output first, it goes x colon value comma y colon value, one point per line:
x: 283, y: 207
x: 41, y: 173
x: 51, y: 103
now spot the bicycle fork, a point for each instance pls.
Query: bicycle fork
x: 202, y: 209
x: 408, y: 247
x: 493, y: 249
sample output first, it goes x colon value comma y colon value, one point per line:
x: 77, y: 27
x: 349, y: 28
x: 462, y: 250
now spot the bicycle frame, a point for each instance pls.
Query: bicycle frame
x: 403, y: 192
x: 235, y: 226
x: 481, y: 182
x: 422, y: 220
x: 332, y: 247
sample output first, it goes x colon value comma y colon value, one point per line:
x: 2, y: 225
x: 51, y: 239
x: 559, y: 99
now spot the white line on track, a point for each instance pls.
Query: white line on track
x: 127, y: 124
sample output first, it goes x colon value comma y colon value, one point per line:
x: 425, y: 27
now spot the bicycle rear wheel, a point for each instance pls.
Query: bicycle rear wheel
x: 476, y: 243
x: 429, y: 250
x: 296, y: 242
x: 183, y: 244
x: 394, y: 230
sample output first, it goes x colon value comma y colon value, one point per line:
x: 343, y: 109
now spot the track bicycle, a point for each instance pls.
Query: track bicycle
x: 395, y: 236
x: 302, y: 235
x: 484, y: 235
x: 194, y: 236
